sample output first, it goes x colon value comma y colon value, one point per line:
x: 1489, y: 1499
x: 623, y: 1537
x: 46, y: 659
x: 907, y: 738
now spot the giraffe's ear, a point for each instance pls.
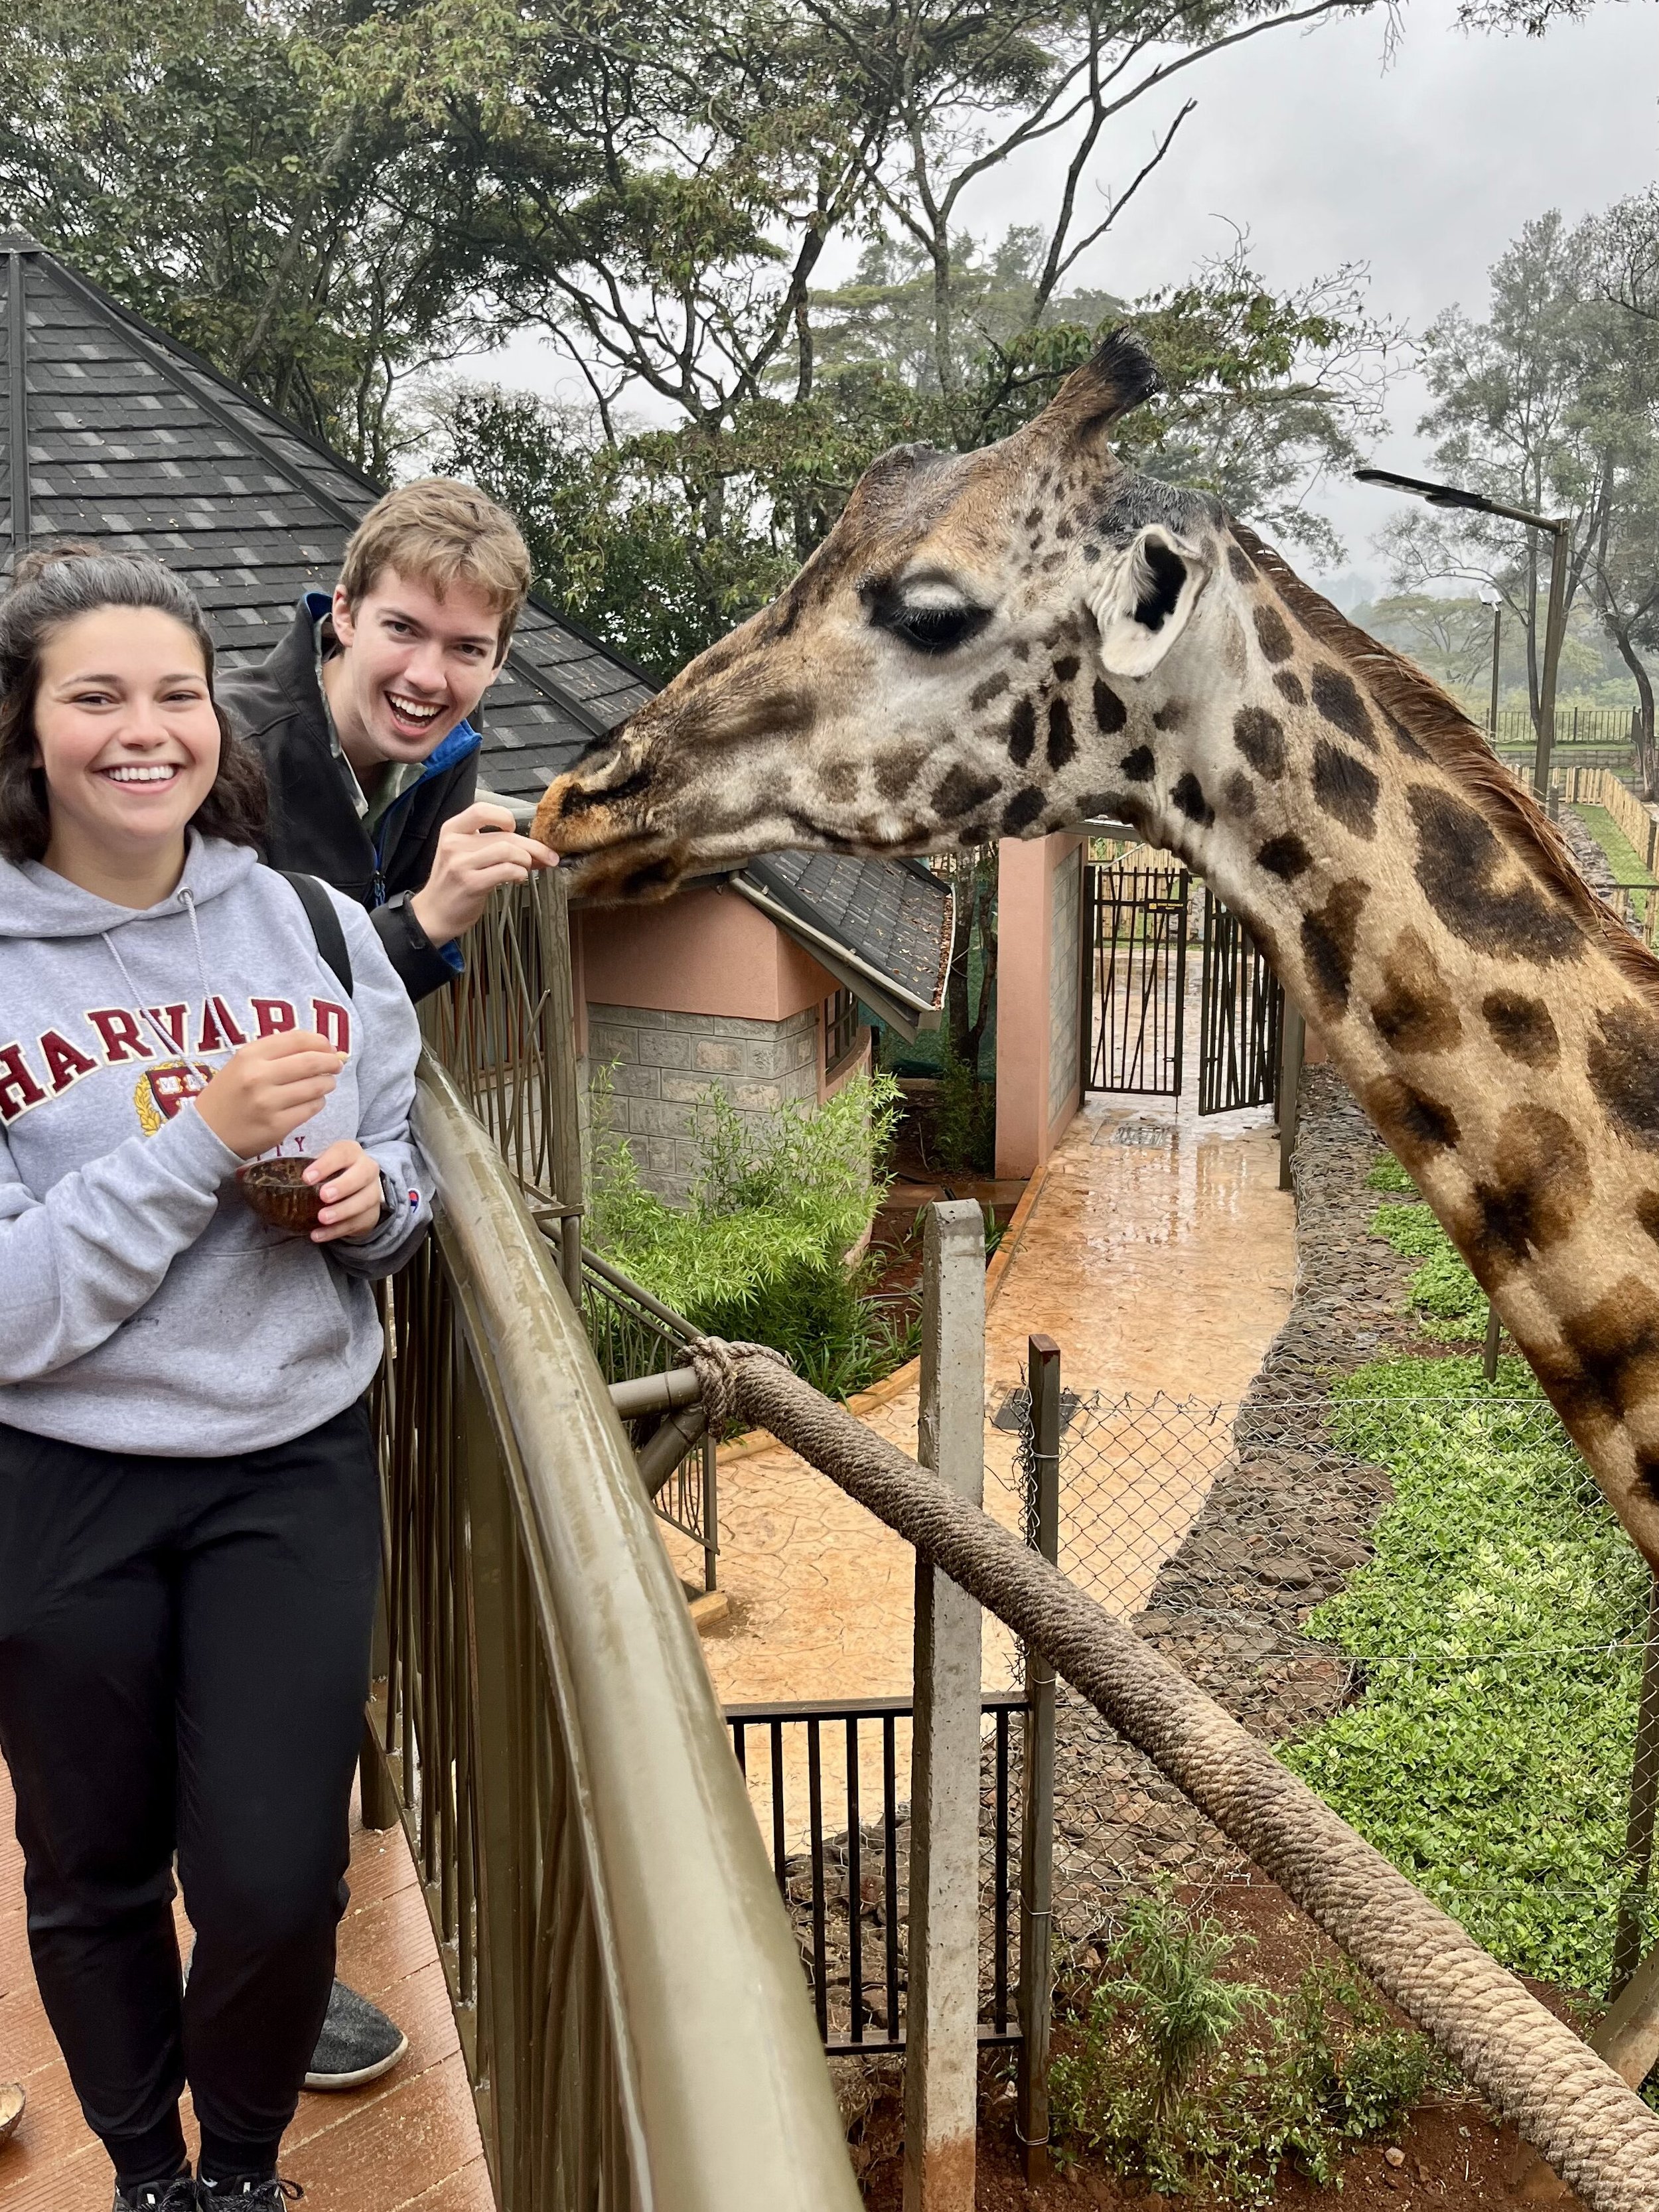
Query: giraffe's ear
x: 1142, y: 597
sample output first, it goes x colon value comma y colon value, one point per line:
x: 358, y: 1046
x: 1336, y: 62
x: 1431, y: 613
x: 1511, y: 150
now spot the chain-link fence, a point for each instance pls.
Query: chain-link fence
x: 1424, y: 1602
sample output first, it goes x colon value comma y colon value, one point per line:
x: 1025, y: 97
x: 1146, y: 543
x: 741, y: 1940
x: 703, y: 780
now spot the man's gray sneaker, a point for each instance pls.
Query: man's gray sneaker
x: 176, y: 2196
x: 358, y: 2044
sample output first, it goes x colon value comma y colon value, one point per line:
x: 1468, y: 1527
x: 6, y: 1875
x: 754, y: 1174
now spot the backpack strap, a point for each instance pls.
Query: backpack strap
x: 325, y: 923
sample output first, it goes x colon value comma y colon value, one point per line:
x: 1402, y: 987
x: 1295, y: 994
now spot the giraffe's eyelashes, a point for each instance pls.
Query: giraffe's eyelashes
x: 933, y: 625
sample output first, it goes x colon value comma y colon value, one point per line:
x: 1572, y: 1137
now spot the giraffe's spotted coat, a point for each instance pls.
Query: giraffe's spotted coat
x: 1259, y: 735
x: 1346, y: 788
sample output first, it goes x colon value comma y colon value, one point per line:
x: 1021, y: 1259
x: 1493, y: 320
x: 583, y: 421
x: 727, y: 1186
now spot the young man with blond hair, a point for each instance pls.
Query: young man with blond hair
x: 362, y: 716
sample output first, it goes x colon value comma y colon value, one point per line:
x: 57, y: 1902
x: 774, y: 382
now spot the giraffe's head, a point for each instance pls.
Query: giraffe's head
x: 952, y: 664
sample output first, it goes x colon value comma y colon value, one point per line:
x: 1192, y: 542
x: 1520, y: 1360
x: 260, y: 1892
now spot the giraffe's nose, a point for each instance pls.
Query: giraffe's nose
x: 590, y: 806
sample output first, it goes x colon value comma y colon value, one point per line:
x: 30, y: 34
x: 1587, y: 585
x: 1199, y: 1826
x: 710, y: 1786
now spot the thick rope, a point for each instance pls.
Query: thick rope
x: 1597, y: 2133
x: 716, y: 1362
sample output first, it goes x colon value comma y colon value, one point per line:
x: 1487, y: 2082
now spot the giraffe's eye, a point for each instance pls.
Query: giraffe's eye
x: 934, y: 628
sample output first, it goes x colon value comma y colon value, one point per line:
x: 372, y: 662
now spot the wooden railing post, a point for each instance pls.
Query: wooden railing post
x: 941, y: 2063
x: 1036, y: 1847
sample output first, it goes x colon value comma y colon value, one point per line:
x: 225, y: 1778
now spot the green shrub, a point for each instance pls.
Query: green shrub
x: 1497, y: 1630
x: 1190, y: 2080
x: 1443, y: 1289
x: 760, y: 1253
x: 964, y: 1132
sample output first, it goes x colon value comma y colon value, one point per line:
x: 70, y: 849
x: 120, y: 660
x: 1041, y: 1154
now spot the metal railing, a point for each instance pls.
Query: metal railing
x: 632, y: 2016
x: 850, y: 1760
x: 503, y: 1031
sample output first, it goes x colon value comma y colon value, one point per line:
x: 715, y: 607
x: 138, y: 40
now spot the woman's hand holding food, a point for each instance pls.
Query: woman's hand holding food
x: 351, y: 1194
x: 268, y: 1089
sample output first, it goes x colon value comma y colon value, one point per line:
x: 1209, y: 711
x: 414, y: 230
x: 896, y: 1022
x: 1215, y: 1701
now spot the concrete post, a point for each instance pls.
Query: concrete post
x: 1036, y: 1845
x: 941, y: 2062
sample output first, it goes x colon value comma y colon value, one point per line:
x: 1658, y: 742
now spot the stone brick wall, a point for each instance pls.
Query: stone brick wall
x: 661, y: 1064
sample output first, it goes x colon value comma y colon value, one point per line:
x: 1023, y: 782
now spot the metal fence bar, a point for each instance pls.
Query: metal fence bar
x: 503, y: 1031
x: 632, y: 2018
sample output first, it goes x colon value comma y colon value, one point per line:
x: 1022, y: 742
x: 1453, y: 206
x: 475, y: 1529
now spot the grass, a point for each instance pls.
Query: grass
x: 1497, y: 1632
x: 1627, y: 864
x: 1497, y: 1635
x: 1442, y: 1292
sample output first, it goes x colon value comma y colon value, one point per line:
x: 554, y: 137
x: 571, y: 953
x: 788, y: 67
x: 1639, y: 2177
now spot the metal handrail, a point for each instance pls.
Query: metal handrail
x: 633, y: 2013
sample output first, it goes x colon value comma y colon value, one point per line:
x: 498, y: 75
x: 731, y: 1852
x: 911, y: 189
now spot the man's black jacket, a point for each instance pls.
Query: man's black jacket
x: 315, y: 826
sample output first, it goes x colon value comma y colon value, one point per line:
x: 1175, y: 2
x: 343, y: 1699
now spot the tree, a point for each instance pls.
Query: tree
x: 1619, y: 405
x: 1504, y: 423
x: 220, y: 169
x: 1552, y: 404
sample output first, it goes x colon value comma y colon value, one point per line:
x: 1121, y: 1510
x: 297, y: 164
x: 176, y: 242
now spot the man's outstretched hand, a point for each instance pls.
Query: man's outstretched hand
x: 478, y: 852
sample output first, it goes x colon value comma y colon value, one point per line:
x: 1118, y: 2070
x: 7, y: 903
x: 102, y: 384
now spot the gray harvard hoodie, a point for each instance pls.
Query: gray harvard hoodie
x: 144, y: 1308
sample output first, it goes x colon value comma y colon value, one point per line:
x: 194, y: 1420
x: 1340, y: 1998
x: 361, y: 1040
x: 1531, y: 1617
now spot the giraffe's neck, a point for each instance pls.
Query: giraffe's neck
x: 1499, y: 1029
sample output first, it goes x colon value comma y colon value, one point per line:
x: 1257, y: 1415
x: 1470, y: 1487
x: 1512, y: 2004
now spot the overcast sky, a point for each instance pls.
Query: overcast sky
x: 1422, y: 163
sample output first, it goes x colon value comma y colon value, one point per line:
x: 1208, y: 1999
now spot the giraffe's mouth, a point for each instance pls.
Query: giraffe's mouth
x: 611, y: 852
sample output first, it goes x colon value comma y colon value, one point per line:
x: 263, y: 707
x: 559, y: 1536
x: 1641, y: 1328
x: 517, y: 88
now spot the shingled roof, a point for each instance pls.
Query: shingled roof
x: 133, y: 440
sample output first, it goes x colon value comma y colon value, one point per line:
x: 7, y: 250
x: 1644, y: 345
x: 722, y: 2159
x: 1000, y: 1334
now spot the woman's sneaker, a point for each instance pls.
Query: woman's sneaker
x: 179, y: 2195
x: 268, y: 2195
x: 358, y: 2043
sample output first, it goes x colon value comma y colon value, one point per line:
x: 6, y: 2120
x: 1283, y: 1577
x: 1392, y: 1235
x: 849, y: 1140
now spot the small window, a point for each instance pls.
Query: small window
x: 841, y: 1027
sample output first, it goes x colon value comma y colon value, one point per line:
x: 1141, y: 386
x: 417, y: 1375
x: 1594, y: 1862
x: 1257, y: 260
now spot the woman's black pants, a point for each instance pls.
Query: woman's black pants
x: 184, y: 1657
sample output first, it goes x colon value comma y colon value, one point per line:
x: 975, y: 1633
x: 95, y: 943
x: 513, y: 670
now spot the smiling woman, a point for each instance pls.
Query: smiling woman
x: 138, y: 745
x: 188, y: 1502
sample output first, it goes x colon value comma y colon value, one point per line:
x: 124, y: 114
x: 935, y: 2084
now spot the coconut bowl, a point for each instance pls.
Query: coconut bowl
x: 278, y: 1192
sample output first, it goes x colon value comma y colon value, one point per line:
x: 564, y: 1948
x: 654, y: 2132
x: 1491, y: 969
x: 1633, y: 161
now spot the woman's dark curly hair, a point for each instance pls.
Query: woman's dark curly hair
x: 58, y: 584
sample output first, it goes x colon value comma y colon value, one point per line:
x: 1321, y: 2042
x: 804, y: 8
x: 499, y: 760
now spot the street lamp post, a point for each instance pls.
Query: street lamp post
x: 1476, y: 503
x: 1493, y: 599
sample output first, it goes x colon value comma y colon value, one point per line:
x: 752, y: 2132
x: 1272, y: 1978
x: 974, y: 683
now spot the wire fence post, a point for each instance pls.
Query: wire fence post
x: 1292, y: 1048
x: 1643, y: 1798
x: 1036, y: 1846
x: 941, y: 2062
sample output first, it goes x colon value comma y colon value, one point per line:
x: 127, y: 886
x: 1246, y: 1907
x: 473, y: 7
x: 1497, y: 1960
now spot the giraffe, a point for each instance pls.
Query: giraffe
x: 1005, y: 642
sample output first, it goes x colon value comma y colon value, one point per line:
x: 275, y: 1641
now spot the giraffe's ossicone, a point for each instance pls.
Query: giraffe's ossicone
x: 1008, y: 643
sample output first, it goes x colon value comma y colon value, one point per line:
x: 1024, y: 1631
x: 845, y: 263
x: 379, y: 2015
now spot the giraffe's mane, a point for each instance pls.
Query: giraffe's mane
x: 1454, y: 742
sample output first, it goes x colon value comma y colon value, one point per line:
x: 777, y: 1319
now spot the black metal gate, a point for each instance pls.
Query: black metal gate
x: 1135, y: 922
x: 1241, y: 1013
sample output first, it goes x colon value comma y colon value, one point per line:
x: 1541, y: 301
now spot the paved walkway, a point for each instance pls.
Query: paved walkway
x: 411, y: 2141
x: 1159, y: 1255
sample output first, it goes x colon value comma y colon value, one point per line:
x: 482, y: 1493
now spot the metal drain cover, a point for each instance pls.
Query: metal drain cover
x: 1145, y: 1132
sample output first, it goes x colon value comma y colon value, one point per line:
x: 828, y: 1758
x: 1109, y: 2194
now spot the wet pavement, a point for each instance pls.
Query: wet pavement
x: 1159, y: 1253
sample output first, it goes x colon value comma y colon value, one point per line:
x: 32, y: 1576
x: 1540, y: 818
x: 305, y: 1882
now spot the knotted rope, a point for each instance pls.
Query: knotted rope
x: 716, y: 1362
x: 1597, y: 2134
